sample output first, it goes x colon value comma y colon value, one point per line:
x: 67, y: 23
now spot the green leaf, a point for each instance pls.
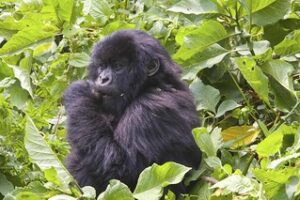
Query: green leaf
x: 194, y: 7
x: 42, y: 155
x: 216, y: 138
x: 205, y: 59
x: 272, y: 144
x: 99, y: 10
x: 79, y: 59
x: 88, y: 192
x: 280, y: 71
x: 290, y: 45
x: 153, y: 179
x: 213, y: 162
x: 116, y: 190
x: 207, y: 97
x: 6, y: 82
x: 5, y: 185
x: 225, y: 106
x: 257, y: 5
x: 22, y: 73
x: 117, y: 25
x: 195, y: 41
x: 274, y: 181
x: 238, y: 184
x: 65, y: 10
x: 51, y: 176
x: 271, y: 13
x: 254, y: 76
x: 275, y: 163
x: 259, y: 47
x: 62, y: 197
x: 204, y: 141
x: 285, y: 100
x: 237, y: 136
x: 26, y: 38
x: 18, y: 96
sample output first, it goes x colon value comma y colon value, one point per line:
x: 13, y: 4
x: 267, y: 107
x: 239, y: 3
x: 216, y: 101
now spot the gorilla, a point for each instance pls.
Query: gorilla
x: 132, y: 111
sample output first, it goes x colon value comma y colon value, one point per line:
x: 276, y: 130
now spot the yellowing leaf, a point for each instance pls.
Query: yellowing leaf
x: 237, y: 136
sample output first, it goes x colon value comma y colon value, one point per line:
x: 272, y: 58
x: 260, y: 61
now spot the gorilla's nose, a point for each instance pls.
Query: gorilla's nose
x: 104, y: 78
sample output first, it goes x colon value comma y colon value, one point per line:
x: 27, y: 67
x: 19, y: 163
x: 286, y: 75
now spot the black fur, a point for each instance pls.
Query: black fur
x: 144, y: 119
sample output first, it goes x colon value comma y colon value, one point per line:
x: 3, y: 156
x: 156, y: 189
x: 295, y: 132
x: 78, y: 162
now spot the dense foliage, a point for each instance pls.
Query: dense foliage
x: 240, y: 58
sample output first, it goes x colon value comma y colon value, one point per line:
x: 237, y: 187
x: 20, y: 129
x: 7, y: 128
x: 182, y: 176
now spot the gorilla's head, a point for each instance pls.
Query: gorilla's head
x: 127, y: 62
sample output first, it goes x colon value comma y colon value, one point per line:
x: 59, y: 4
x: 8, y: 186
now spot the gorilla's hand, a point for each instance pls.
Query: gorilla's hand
x: 78, y: 91
x: 93, y: 89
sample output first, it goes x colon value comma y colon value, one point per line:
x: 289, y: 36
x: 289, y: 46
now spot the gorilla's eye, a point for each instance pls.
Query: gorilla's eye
x: 118, y: 65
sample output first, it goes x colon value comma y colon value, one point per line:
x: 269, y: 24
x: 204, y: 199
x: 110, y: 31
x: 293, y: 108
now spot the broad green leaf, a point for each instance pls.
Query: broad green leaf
x: 62, y: 197
x: 275, y: 163
x: 88, y: 192
x: 116, y: 190
x: 238, y: 136
x: 42, y: 155
x: 205, y: 59
x: 22, y: 72
x: 285, y: 99
x: 208, y: 33
x: 44, y: 48
x: 207, y: 97
x: 274, y: 181
x: 204, y: 141
x: 99, y: 10
x: 256, y: 5
x: 216, y: 138
x: 238, y: 184
x: 79, y: 59
x: 281, y: 71
x: 259, y: 47
x: 117, y: 25
x: 272, y: 144
x: 51, y: 176
x: 194, y: 7
x: 11, y: 24
x: 5, y: 185
x: 169, y: 196
x: 6, y: 82
x: 153, y: 179
x: 225, y: 106
x: 25, y: 38
x: 28, y: 195
x: 18, y: 96
x: 213, y: 162
x: 32, y: 5
x: 254, y: 76
x: 290, y: 45
x: 271, y: 13
x: 65, y: 10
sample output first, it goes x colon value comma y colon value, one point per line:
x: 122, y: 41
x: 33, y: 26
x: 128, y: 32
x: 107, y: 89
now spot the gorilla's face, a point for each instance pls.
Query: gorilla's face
x: 120, y: 66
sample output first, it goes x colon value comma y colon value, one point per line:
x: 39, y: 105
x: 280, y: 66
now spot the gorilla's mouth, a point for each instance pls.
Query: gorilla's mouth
x: 108, y: 91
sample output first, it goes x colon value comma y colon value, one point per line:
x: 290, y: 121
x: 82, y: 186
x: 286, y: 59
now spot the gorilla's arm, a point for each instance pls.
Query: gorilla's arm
x: 95, y: 154
x: 156, y: 129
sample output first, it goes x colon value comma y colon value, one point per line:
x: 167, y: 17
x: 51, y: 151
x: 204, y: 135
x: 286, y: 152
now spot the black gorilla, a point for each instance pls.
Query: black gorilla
x: 132, y: 111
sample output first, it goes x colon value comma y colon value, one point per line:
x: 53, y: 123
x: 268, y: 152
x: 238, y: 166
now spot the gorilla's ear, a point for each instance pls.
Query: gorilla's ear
x: 153, y: 67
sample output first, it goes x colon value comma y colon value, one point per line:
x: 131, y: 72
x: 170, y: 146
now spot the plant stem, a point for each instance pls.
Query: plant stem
x: 242, y: 93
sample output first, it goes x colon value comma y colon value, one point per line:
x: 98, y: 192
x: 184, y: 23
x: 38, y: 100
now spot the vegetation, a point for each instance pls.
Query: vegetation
x: 240, y: 58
